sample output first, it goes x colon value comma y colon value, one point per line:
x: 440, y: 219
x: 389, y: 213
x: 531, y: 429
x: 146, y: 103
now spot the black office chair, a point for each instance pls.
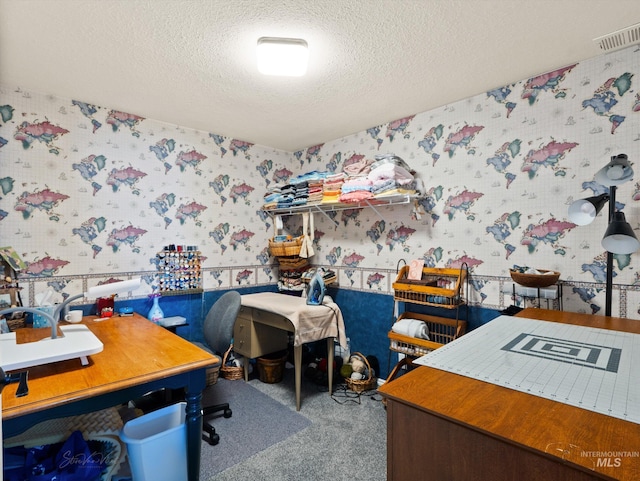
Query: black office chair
x: 218, y: 334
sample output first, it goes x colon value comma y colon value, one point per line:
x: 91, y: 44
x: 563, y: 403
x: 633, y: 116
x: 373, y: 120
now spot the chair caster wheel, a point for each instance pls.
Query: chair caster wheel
x: 211, y: 437
x: 227, y: 413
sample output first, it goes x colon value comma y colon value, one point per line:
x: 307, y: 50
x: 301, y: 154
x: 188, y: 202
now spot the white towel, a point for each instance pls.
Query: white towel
x: 411, y: 328
x: 390, y: 171
x: 306, y: 250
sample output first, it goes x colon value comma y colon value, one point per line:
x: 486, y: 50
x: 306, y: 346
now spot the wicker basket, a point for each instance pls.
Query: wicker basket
x: 271, y: 368
x: 212, y: 375
x: 232, y: 373
x: 535, y: 280
x: 292, y: 262
x: 16, y: 323
x: 360, y: 385
x: 287, y: 248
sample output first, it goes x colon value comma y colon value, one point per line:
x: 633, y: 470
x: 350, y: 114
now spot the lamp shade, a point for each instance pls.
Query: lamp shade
x: 105, y: 290
x: 616, y: 172
x: 582, y: 212
x: 619, y: 237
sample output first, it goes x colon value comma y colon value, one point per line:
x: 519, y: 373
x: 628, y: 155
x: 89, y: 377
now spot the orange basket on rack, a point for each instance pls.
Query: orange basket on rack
x: 442, y: 331
x: 439, y: 286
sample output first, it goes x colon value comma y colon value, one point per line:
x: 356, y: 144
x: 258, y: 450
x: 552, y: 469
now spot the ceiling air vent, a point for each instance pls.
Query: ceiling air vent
x: 619, y: 39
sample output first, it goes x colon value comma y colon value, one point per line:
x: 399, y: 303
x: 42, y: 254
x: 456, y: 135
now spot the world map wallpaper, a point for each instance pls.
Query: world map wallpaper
x: 90, y: 194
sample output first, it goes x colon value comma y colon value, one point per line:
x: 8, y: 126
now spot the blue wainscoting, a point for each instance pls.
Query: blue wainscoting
x: 367, y: 316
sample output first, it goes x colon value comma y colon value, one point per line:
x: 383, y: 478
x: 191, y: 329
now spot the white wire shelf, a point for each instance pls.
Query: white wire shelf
x: 323, y: 208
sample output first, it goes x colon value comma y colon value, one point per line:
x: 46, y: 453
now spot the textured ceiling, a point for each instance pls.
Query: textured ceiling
x: 192, y: 62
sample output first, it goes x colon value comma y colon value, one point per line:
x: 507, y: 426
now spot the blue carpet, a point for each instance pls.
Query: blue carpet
x: 258, y: 421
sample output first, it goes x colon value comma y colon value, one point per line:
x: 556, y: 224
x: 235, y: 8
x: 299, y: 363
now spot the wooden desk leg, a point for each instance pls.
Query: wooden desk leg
x: 297, y: 362
x: 330, y: 355
x: 246, y: 369
x: 193, y: 422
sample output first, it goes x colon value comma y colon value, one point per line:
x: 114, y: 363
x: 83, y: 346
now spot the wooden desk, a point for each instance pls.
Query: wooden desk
x: 446, y: 426
x: 138, y: 357
x: 266, y: 318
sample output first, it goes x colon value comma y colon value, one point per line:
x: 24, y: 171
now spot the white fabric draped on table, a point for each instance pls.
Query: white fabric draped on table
x: 312, y: 323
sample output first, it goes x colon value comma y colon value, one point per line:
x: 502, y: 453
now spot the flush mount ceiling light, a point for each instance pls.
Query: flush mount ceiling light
x: 282, y: 56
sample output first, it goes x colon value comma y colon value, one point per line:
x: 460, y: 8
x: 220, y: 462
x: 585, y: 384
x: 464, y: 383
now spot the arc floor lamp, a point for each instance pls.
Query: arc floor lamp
x: 619, y: 237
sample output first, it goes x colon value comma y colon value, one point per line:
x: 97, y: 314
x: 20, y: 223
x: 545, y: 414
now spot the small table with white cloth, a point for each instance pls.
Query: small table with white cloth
x: 266, y: 318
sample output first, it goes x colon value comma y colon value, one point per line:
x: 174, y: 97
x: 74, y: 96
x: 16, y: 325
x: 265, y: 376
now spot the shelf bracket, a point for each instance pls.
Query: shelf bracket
x: 374, y: 209
x: 324, y: 213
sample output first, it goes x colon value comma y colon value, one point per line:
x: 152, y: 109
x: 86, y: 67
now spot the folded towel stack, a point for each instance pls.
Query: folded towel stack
x: 411, y: 328
x: 331, y: 187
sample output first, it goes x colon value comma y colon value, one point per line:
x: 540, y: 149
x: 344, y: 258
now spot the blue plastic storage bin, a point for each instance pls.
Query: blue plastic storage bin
x: 157, y: 444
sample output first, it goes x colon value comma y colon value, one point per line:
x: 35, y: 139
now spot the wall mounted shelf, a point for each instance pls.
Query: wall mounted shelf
x: 179, y: 271
x: 181, y: 292
x: 381, y: 201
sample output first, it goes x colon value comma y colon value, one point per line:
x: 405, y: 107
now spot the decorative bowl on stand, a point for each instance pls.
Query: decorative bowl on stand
x: 545, y: 279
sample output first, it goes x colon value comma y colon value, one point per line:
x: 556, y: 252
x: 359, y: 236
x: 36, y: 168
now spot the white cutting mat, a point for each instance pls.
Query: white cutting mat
x: 594, y: 369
